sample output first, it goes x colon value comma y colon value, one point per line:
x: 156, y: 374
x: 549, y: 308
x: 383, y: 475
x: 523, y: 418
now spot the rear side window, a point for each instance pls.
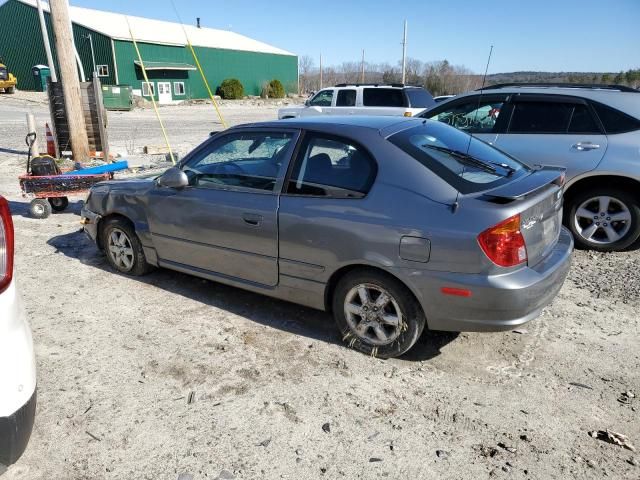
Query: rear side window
x: 540, y: 117
x: 614, y: 121
x: 346, y: 98
x: 582, y: 121
x: 419, y: 98
x: 330, y: 166
x: 383, y: 97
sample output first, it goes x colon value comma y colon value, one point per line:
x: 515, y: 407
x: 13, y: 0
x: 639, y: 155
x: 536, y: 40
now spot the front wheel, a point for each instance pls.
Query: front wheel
x: 376, y: 314
x: 603, y: 219
x: 123, y: 248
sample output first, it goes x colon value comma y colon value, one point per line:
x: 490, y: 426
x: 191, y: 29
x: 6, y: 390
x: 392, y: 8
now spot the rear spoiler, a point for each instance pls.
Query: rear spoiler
x: 538, y: 178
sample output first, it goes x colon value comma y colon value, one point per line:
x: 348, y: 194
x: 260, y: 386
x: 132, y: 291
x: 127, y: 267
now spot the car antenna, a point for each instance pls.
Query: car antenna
x: 455, y: 205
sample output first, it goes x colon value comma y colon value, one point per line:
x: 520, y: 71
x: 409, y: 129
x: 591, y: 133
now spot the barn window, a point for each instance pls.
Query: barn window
x: 178, y: 88
x: 103, y: 70
x: 148, y: 89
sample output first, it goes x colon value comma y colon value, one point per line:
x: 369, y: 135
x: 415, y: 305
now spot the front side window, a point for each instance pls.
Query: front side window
x: 322, y: 99
x: 148, y: 89
x: 250, y: 160
x: 103, y: 70
x: 333, y: 167
x: 383, y: 97
x: 346, y: 98
x: 472, y: 116
x: 463, y: 161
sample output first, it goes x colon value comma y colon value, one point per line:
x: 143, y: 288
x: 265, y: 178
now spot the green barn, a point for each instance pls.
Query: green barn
x: 170, y: 66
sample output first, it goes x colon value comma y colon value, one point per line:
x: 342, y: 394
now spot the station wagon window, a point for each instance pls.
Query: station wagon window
x: 419, y: 98
x: 148, y: 89
x: 346, y: 98
x: 471, y: 116
x: 330, y: 166
x: 103, y: 70
x: 245, y: 160
x: 322, y: 99
x: 383, y: 97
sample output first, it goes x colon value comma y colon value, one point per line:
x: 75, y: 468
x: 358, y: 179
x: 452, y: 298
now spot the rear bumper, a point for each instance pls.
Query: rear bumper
x: 15, y: 431
x: 498, y: 302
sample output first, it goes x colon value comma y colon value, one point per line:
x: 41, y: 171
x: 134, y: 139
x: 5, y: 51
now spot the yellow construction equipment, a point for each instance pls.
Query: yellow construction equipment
x: 7, y: 80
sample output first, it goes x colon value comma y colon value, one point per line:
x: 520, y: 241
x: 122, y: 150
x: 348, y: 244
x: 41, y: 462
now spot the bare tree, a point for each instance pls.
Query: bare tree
x: 305, y: 70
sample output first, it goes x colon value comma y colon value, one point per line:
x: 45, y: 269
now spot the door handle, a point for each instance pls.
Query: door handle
x: 585, y: 146
x: 252, y: 219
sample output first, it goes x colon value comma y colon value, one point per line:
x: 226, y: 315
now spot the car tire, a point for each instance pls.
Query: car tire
x: 59, y: 204
x: 123, y: 248
x: 39, y: 208
x: 617, y: 226
x: 367, y: 326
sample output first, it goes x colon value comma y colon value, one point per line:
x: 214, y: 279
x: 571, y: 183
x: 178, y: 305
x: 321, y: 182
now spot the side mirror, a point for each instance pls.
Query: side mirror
x: 173, y: 178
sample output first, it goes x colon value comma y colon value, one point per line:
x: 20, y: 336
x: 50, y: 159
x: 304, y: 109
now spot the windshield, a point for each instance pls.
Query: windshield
x: 468, y: 164
x: 3, y: 73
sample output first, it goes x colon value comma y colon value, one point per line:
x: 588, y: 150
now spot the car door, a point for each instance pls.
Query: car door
x: 345, y: 102
x: 479, y: 115
x: 320, y: 205
x: 225, y: 221
x: 553, y: 130
x: 320, y: 104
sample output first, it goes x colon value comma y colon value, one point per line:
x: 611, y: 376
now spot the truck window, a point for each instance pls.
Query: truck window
x: 346, y: 98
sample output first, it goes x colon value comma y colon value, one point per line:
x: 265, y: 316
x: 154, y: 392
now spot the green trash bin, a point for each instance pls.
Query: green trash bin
x: 117, y: 97
x: 41, y: 73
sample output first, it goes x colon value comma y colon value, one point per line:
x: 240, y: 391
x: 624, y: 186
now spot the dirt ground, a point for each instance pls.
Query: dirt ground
x: 172, y: 377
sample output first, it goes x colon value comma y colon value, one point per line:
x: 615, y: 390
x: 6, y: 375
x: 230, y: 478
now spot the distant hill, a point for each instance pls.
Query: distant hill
x: 574, y: 77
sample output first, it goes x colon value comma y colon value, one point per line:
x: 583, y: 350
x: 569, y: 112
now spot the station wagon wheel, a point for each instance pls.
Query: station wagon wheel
x: 123, y: 248
x: 376, y: 313
x: 604, y: 219
x: 373, y: 314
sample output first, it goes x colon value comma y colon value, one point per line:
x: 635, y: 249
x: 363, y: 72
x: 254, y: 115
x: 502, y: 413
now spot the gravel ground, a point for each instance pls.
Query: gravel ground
x: 154, y: 377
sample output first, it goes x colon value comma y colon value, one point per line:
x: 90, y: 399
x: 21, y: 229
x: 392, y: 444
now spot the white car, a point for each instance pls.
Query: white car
x: 358, y: 99
x: 17, y: 362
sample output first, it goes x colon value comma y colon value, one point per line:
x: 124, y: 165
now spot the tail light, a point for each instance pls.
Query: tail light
x: 504, y: 243
x: 6, y: 245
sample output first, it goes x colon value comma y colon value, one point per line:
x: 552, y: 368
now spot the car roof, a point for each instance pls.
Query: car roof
x: 374, y: 122
x: 627, y: 102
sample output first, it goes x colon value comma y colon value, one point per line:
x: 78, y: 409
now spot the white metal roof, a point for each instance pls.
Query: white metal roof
x: 114, y: 25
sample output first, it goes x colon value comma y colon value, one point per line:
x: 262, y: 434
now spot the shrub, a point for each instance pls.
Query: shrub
x: 276, y: 90
x: 231, y: 89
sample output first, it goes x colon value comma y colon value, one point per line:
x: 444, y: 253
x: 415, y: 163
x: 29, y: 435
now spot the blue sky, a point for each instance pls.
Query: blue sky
x: 551, y: 35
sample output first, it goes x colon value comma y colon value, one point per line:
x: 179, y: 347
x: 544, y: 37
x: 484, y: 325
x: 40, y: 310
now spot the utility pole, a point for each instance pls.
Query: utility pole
x: 45, y: 39
x: 362, y: 73
x: 69, y: 76
x: 320, y: 72
x: 404, y: 54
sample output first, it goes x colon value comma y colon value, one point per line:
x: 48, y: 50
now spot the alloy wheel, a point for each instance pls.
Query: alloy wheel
x: 602, y: 220
x: 120, y: 250
x: 373, y: 314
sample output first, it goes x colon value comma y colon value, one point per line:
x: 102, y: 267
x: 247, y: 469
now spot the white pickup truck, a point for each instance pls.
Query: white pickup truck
x: 358, y: 99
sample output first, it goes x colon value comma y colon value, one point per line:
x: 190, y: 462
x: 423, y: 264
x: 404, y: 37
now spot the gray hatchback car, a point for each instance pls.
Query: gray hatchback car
x: 392, y: 225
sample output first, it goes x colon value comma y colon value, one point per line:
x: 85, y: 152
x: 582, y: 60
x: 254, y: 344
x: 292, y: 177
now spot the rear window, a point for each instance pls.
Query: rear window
x: 383, y: 97
x: 427, y: 143
x: 419, y: 98
x: 614, y: 121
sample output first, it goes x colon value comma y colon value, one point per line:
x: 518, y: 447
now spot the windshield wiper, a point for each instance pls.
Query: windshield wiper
x: 473, y: 161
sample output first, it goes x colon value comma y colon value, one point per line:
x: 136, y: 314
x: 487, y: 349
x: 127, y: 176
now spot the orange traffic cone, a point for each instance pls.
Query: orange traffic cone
x: 51, y: 146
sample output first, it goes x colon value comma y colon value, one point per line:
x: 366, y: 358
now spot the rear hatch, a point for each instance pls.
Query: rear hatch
x: 540, y: 194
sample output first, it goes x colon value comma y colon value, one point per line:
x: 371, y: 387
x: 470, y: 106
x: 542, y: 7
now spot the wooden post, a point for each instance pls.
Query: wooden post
x: 69, y: 77
x: 102, y: 117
